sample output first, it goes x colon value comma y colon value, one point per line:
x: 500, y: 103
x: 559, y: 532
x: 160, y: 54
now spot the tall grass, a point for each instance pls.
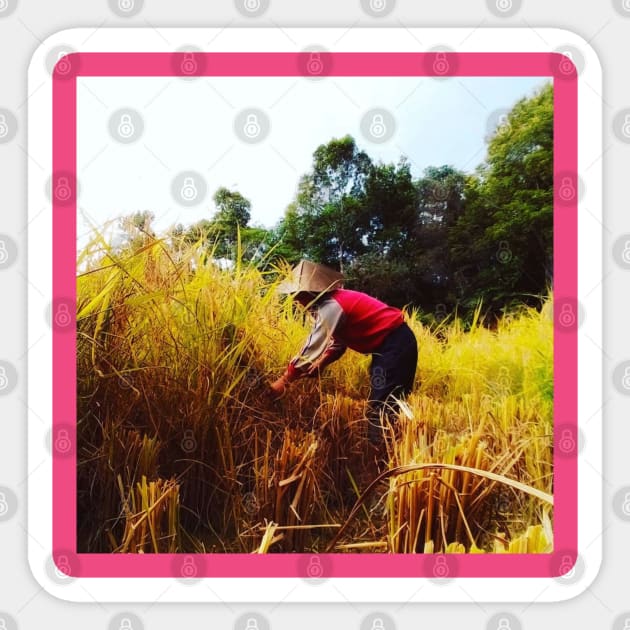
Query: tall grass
x: 181, y: 448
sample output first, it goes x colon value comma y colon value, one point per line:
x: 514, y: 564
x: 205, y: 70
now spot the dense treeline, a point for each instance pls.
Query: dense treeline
x: 445, y: 241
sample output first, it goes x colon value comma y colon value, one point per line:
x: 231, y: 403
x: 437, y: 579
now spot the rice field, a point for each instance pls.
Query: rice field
x: 182, y: 448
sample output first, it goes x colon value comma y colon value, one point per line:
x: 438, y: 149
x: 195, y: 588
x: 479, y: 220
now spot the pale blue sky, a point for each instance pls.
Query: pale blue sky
x: 189, y: 125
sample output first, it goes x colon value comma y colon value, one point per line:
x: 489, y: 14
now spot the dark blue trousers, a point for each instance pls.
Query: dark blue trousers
x: 392, y: 374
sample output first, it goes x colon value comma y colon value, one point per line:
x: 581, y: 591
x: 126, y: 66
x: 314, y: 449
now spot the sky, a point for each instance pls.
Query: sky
x: 194, y: 126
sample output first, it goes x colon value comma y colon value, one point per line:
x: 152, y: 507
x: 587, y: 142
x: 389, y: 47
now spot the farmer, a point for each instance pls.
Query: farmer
x: 350, y: 319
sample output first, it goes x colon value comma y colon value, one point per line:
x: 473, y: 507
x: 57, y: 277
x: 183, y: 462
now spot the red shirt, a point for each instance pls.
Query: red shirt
x: 366, y: 320
x: 345, y: 319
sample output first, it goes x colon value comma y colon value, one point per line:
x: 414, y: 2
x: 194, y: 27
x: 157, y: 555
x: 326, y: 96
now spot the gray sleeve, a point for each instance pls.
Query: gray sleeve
x: 329, y: 316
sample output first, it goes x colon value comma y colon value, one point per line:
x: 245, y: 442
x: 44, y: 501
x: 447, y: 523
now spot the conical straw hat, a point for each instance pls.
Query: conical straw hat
x: 309, y: 276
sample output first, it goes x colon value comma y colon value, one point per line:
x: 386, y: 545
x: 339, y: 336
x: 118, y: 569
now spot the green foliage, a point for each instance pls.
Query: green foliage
x: 391, y: 199
x: 233, y: 214
x: 328, y: 220
x: 503, y: 242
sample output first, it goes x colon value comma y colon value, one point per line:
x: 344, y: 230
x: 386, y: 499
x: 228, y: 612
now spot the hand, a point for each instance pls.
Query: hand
x: 278, y: 388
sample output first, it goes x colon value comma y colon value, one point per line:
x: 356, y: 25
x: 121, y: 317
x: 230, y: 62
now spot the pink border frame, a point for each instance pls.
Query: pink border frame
x: 64, y: 287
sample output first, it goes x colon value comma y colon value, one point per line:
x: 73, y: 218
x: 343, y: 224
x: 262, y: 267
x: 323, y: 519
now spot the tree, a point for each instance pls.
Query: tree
x: 255, y: 242
x: 503, y: 241
x: 291, y: 237
x: 391, y: 200
x: 233, y: 214
x: 408, y: 260
x: 441, y: 203
x: 441, y: 195
x: 234, y: 211
x: 328, y: 212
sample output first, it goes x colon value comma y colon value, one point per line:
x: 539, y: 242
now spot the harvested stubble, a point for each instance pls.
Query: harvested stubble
x: 181, y: 448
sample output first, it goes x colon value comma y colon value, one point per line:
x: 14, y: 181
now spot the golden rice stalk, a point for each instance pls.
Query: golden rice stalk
x: 269, y: 538
x: 151, y: 518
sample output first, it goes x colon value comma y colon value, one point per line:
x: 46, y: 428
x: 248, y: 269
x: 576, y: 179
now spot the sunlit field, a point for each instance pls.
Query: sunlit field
x: 183, y: 449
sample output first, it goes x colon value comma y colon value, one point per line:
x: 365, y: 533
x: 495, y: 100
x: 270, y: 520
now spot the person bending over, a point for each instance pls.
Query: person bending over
x: 351, y: 319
